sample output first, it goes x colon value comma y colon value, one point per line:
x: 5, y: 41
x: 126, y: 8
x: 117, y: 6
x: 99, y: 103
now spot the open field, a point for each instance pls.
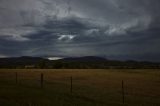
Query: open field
x: 89, y: 87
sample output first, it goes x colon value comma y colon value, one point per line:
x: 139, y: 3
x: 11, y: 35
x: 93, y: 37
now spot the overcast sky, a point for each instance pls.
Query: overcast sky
x: 115, y: 29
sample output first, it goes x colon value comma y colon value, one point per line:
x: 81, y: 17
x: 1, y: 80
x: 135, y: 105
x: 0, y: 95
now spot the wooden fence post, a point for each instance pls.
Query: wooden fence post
x: 71, y: 85
x: 42, y: 80
x: 123, y: 91
x: 16, y: 76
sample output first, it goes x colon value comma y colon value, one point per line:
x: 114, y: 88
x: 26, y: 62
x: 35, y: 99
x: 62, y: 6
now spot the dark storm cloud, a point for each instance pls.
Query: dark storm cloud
x: 122, y: 29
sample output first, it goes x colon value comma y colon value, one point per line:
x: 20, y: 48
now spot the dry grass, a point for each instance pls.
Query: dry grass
x: 90, y: 87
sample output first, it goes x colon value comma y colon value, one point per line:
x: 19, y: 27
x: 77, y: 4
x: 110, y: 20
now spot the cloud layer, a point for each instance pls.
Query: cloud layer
x: 116, y: 29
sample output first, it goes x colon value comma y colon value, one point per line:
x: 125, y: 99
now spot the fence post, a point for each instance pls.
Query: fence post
x: 16, y: 76
x: 42, y: 80
x: 71, y: 85
x: 123, y: 91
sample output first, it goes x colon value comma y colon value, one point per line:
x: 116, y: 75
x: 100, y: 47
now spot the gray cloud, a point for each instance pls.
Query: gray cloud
x: 116, y: 29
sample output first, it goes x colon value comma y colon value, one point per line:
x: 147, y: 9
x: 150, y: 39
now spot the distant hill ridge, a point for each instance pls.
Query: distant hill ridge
x: 85, y: 58
x: 73, y: 62
x: 24, y: 60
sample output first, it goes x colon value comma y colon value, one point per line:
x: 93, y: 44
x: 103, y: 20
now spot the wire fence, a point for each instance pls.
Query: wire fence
x: 84, y: 88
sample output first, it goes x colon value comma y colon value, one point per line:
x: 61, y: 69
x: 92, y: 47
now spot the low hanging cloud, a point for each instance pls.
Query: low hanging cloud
x: 109, y: 28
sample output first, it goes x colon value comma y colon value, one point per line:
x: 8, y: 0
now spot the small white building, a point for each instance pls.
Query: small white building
x: 29, y: 66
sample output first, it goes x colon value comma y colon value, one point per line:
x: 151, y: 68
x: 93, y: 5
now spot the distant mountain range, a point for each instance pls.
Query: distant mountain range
x: 87, y: 62
x: 85, y: 59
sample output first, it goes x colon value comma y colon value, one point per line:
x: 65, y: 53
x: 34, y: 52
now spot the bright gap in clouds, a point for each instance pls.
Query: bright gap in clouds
x: 66, y: 37
x: 54, y: 58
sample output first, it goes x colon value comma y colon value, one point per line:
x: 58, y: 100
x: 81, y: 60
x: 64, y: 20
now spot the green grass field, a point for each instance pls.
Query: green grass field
x: 92, y: 87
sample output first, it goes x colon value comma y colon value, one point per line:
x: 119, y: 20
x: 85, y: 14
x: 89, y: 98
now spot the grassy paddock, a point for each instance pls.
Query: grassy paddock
x: 93, y: 87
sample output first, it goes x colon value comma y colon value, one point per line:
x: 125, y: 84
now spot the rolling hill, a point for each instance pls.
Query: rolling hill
x: 87, y: 62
